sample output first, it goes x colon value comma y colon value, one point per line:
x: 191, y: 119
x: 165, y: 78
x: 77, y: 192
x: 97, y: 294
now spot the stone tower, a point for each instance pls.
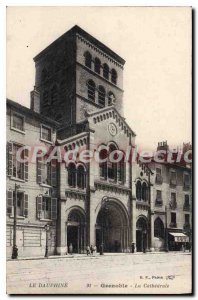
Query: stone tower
x: 75, y: 74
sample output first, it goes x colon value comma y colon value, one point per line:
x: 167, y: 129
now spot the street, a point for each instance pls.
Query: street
x: 150, y: 273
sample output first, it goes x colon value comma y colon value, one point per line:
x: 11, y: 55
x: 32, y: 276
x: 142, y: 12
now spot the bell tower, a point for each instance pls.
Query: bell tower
x: 75, y: 74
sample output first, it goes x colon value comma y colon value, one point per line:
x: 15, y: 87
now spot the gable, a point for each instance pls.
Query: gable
x: 108, y: 125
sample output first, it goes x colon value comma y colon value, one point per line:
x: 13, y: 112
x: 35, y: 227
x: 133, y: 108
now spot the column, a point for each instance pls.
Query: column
x: 61, y: 248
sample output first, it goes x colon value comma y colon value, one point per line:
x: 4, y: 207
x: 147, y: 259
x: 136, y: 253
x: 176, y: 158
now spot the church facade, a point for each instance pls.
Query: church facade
x: 88, y: 199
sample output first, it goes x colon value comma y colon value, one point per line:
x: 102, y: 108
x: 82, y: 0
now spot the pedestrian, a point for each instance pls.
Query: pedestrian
x: 91, y: 249
x: 101, y: 249
x: 95, y: 250
x: 88, y: 250
x: 133, y: 248
x: 70, y: 249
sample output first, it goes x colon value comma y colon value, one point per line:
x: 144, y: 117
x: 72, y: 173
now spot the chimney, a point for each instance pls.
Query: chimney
x: 163, y: 146
x: 35, y: 100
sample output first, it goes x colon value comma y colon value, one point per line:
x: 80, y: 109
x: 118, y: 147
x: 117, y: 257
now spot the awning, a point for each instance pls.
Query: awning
x: 179, y: 237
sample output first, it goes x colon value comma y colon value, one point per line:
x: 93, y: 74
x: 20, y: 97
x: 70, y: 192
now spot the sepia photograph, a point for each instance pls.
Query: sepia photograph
x: 99, y: 150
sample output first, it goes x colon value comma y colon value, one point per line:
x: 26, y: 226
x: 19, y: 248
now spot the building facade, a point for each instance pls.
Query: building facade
x: 77, y: 107
x: 171, y: 205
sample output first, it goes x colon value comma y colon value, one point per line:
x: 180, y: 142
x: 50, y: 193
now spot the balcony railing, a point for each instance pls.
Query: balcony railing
x: 186, y: 185
x: 158, y: 202
x: 186, y: 207
x: 173, y: 205
x: 173, y: 182
x: 173, y: 225
x: 158, y: 179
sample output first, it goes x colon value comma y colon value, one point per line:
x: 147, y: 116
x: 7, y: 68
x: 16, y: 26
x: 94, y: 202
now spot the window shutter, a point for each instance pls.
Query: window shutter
x: 53, y: 173
x: 48, y: 166
x: 39, y: 206
x: 9, y: 202
x: 25, y: 205
x: 26, y: 154
x: 9, y: 158
x: 39, y: 172
x: 54, y: 209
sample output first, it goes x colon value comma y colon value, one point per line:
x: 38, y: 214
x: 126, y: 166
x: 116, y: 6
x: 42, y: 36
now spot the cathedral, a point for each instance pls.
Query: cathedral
x: 77, y: 104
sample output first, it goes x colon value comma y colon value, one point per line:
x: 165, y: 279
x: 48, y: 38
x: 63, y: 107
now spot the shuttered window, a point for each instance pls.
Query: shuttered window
x: 16, y: 168
x: 18, y: 122
x: 21, y: 203
x: 46, y: 172
x: 9, y: 158
x: 26, y: 205
x: 54, y: 173
x: 46, y: 133
x: 46, y: 208
x: 9, y: 203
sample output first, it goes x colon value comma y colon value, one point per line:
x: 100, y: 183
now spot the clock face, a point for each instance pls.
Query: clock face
x: 112, y: 129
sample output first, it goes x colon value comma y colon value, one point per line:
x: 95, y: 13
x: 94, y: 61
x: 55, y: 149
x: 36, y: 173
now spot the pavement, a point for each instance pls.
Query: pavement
x: 81, y: 256
x: 111, y: 273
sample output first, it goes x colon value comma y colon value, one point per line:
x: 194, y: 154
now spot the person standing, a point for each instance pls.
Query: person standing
x: 70, y: 249
x: 91, y: 249
x: 101, y: 249
x: 88, y: 250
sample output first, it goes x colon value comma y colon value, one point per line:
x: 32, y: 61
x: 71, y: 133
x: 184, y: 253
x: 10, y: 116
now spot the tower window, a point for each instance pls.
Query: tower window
x: 97, y: 65
x: 91, y: 90
x: 88, y: 59
x: 106, y: 71
x: 111, y: 98
x: 101, y: 95
x: 114, y: 76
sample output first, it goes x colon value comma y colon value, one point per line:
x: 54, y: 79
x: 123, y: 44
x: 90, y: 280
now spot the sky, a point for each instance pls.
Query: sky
x: 154, y: 41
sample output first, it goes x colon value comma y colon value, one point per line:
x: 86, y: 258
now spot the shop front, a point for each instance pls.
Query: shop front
x: 178, y: 241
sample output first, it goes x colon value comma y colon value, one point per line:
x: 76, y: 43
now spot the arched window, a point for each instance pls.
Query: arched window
x: 72, y: 175
x: 144, y: 191
x: 97, y: 65
x: 54, y: 94
x: 101, y: 95
x: 112, y: 167
x: 103, y: 165
x: 81, y: 177
x: 158, y: 228
x: 91, y: 90
x: 114, y: 76
x: 88, y: 59
x: 111, y: 98
x: 121, y: 170
x: 138, y: 190
x: 106, y: 71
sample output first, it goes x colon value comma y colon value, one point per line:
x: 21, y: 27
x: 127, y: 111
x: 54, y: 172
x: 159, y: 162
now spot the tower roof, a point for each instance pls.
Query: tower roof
x: 77, y: 30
